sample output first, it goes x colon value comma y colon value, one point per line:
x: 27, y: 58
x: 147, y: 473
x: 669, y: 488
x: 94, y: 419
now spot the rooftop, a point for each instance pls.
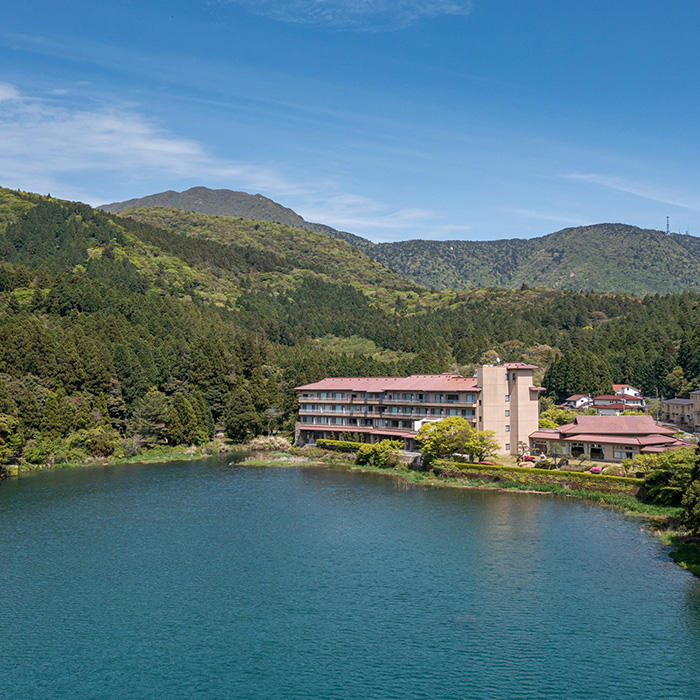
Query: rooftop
x: 416, y: 382
x: 614, y: 425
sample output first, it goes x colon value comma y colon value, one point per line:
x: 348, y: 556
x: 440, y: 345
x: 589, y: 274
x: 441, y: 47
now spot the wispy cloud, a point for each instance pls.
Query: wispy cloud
x: 547, y: 216
x: 358, y: 15
x: 639, y: 189
x: 47, y: 141
x: 50, y: 145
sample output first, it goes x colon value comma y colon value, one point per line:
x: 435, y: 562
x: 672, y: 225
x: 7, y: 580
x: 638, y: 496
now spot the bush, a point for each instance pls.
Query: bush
x: 269, y: 443
x: 380, y: 454
x: 341, y: 445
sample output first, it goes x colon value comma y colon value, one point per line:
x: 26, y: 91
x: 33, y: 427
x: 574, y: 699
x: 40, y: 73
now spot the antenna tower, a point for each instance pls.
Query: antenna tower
x: 668, y: 229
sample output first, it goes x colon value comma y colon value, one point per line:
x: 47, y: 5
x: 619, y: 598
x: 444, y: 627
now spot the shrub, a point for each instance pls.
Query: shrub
x: 269, y: 443
x: 379, y: 454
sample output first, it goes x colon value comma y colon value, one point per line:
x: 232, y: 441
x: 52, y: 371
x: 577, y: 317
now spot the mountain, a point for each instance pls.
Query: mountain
x: 203, y: 200
x: 601, y: 257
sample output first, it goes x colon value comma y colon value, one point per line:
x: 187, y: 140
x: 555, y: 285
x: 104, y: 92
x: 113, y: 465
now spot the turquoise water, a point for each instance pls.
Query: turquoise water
x: 200, y: 580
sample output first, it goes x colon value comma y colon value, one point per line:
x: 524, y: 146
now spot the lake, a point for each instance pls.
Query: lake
x: 201, y: 580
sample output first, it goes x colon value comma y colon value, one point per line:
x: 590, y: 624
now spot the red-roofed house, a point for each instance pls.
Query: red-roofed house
x: 606, y: 438
x: 575, y: 402
x: 614, y: 404
x: 502, y: 398
x: 627, y: 390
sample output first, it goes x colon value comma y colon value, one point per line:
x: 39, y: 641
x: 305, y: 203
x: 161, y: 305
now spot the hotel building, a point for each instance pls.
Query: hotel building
x: 501, y: 398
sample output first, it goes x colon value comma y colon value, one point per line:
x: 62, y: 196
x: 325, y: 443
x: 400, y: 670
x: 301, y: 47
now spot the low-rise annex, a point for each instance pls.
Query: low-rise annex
x: 605, y: 438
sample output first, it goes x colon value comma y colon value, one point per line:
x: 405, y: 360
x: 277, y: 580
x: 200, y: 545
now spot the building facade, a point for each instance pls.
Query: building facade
x: 685, y: 413
x: 605, y: 438
x: 501, y: 398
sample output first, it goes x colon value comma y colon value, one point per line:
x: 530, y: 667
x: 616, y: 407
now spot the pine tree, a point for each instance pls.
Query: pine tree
x: 241, y: 419
x: 58, y: 415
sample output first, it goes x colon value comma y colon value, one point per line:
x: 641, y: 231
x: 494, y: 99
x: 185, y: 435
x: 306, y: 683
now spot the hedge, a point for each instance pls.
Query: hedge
x: 342, y: 445
x: 579, y: 481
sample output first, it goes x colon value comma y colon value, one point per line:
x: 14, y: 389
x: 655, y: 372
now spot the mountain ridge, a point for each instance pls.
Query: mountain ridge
x: 223, y: 202
x: 606, y: 257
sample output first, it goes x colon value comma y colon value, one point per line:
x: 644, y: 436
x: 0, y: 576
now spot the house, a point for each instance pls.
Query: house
x: 606, y: 438
x: 614, y: 404
x: 626, y: 390
x: 575, y: 402
x: 685, y: 413
x: 501, y: 398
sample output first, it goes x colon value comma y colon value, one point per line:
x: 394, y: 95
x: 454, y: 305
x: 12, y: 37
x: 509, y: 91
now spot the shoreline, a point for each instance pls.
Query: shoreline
x: 684, y: 550
x: 156, y: 455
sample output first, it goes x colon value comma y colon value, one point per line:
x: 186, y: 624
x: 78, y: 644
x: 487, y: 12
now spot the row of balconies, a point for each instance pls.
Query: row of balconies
x: 379, y: 423
x: 375, y: 401
x: 386, y: 414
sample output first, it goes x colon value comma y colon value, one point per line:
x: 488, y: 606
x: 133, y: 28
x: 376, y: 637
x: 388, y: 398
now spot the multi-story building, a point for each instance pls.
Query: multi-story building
x: 501, y: 398
x: 685, y: 413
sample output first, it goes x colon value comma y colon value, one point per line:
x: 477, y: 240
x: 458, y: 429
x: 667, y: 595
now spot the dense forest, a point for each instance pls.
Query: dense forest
x: 119, y: 333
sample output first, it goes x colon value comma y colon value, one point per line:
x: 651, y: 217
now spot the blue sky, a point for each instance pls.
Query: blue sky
x: 446, y: 119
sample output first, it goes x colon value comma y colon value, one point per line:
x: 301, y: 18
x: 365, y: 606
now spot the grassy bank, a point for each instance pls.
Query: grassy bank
x: 685, y: 550
x: 298, y: 459
x: 625, y: 502
x: 156, y: 455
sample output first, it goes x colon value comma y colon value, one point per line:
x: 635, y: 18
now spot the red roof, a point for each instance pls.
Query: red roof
x: 576, y: 397
x: 519, y: 365
x: 416, y: 382
x: 615, y: 425
x: 614, y: 406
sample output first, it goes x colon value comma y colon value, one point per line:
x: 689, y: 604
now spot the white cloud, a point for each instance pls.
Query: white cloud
x: 639, y: 189
x: 50, y: 145
x: 8, y: 92
x: 362, y: 15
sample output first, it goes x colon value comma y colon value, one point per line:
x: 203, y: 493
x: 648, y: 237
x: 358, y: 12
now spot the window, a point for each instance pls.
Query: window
x: 597, y: 452
x: 508, y: 446
x: 470, y: 398
x: 507, y: 413
x: 507, y: 428
x: 507, y: 397
x: 577, y: 449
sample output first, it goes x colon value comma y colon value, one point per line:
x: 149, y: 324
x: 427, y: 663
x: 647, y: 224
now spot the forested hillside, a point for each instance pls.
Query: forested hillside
x: 603, y: 257
x: 116, y: 332
x: 255, y: 207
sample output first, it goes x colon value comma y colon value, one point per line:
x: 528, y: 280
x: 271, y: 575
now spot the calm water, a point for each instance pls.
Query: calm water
x: 200, y: 580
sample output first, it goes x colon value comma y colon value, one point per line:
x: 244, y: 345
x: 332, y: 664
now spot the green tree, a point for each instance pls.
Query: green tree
x: 57, y: 420
x: 444, y: 437
x: 380, y: 454
x: 241, y: 420
x: 481, y: 445
x: 691, y: 498
x: 150, y: 417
